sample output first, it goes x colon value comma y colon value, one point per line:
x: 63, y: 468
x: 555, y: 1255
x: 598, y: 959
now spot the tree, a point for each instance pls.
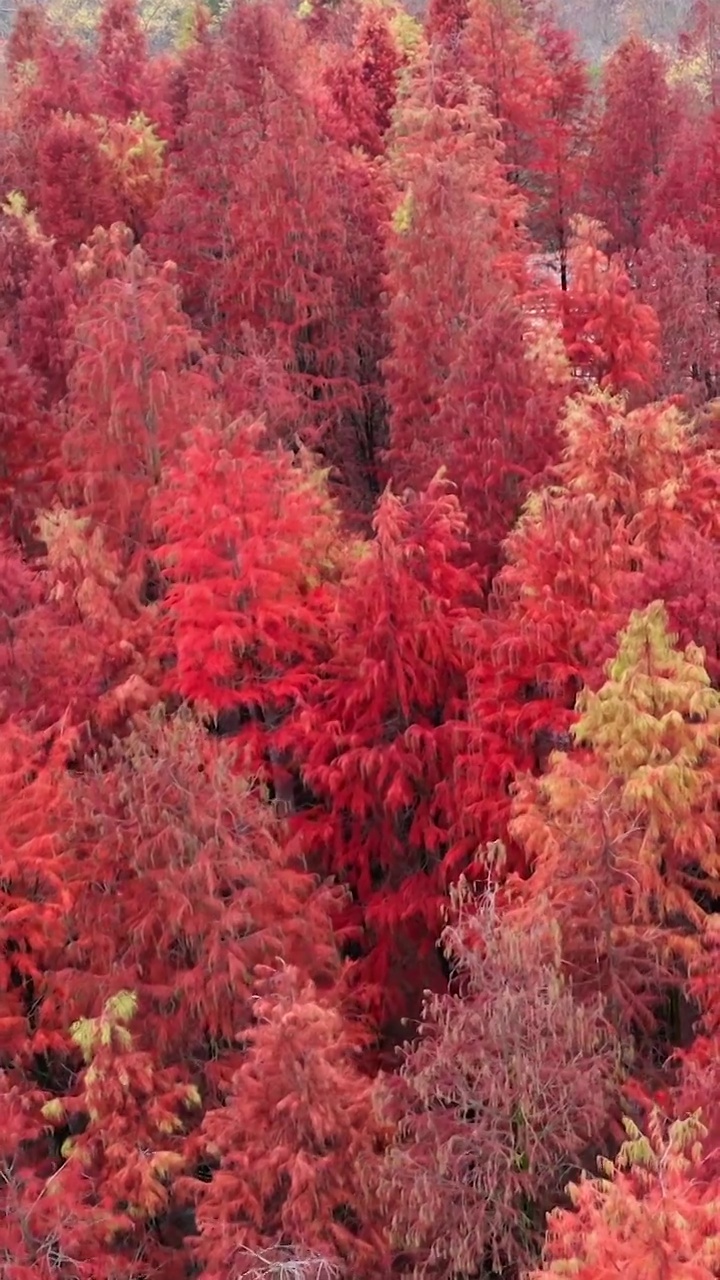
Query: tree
x: 646, y: 1215
x: 558, y: 174
x: 674, y: 278
x: 377, y: 731
x: 622, y: 834
x: 461, y: 389
x: 253, y: 217
x: 26, y: 448
x: 506, y: 1084
x: 633, y: 136
x: 118, y: 1172
x: 611, y: 336
x: 295, y: 1146
x: 121, y: 60
x: 631, y: 485
x: 209, y: 892
x: 136, y: 370
x: 243, y: 618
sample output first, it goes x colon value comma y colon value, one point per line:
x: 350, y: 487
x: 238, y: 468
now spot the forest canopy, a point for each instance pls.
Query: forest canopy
x: 360, y: 641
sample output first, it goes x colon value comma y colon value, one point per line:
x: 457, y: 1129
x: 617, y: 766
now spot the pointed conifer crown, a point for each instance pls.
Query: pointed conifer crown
x: 656, y: 720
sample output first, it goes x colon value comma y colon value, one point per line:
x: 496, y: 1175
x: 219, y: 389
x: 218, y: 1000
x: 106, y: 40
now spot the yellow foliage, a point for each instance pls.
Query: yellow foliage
x: 160, y: 19
x: 16, y: 206
x: 409, y: 35
x: 402, y: 220
x: 166, y: 1162
x: 692, y: 70
x: 545, y: 347
x: 136, y: 154
x: 621, y: 836
x: 173, y: 1124
x: 54, y: 1110
x: 91, y: 1033
x: 192, y: 1096
x: 121, y: 1007
x: 637, y: 721
x: 188, y: 26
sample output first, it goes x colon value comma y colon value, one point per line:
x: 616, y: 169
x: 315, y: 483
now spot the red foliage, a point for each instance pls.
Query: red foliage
x: 675, y: 279
x: 472, y: 406
x: 241, y: 621
x: 121, y: 60
x: 649, y: 1214
x: 75, y: 192
x: 380, y: 726
x: 633, y: 136
x: 133, y: 371
x: 254, y: 217
x: 296, y: 1146
x: 611, y: 336
x: 26, y: 445
x: 332, y: 227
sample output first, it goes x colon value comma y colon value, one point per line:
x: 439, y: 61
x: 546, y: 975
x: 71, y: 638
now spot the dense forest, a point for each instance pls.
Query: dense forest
x: 360, y: 644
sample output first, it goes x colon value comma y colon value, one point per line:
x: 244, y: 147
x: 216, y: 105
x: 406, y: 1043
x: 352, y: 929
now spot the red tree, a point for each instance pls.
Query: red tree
x: 377, y: 735
x: 296, y: 1147
x: 242, y: 621
x: 461, y: 388
x: 633, y: 135
x: 134, y: 389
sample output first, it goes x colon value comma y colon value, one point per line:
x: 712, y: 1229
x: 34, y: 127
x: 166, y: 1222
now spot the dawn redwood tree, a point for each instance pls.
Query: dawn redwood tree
x: 648, y: 1215
x: 685, y: 575
x: 135, y: 154
x: 553, y: 608
x: 558, y: 173
x: 363, y: 82
x: 678, y: 198
x: 502, y: 53
x: 97, y: 667
x: 632, y: 139
x: 612, y: 337
x: 700, y: 38
x: 27, y: 443
x: 355, y: 450
x: 380, y: 63
x: 116, y: 1177
x: 675, y: 279
x: 697, y: 1079
x: 253, y: 217
x: 76, y: 638
x: 33, y: 897
x: 506, y: 1084
x: 120, y: 63
x: 296, y: 1148
x: 453, y: 192
x: 75, y: 192
x: 49, y: 76
x: 21, y: 244
x: 244, y: 616
x: 205, y: 893
x: 622, y: 833
x: 461, y: 389
x: 42, y: 322
x: 377, y: 731
x: 445, y: 22
x: 135, y: 388
x: 631, y: 488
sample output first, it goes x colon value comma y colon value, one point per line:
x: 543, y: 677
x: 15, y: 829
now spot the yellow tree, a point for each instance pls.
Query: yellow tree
x: 622, y: 833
